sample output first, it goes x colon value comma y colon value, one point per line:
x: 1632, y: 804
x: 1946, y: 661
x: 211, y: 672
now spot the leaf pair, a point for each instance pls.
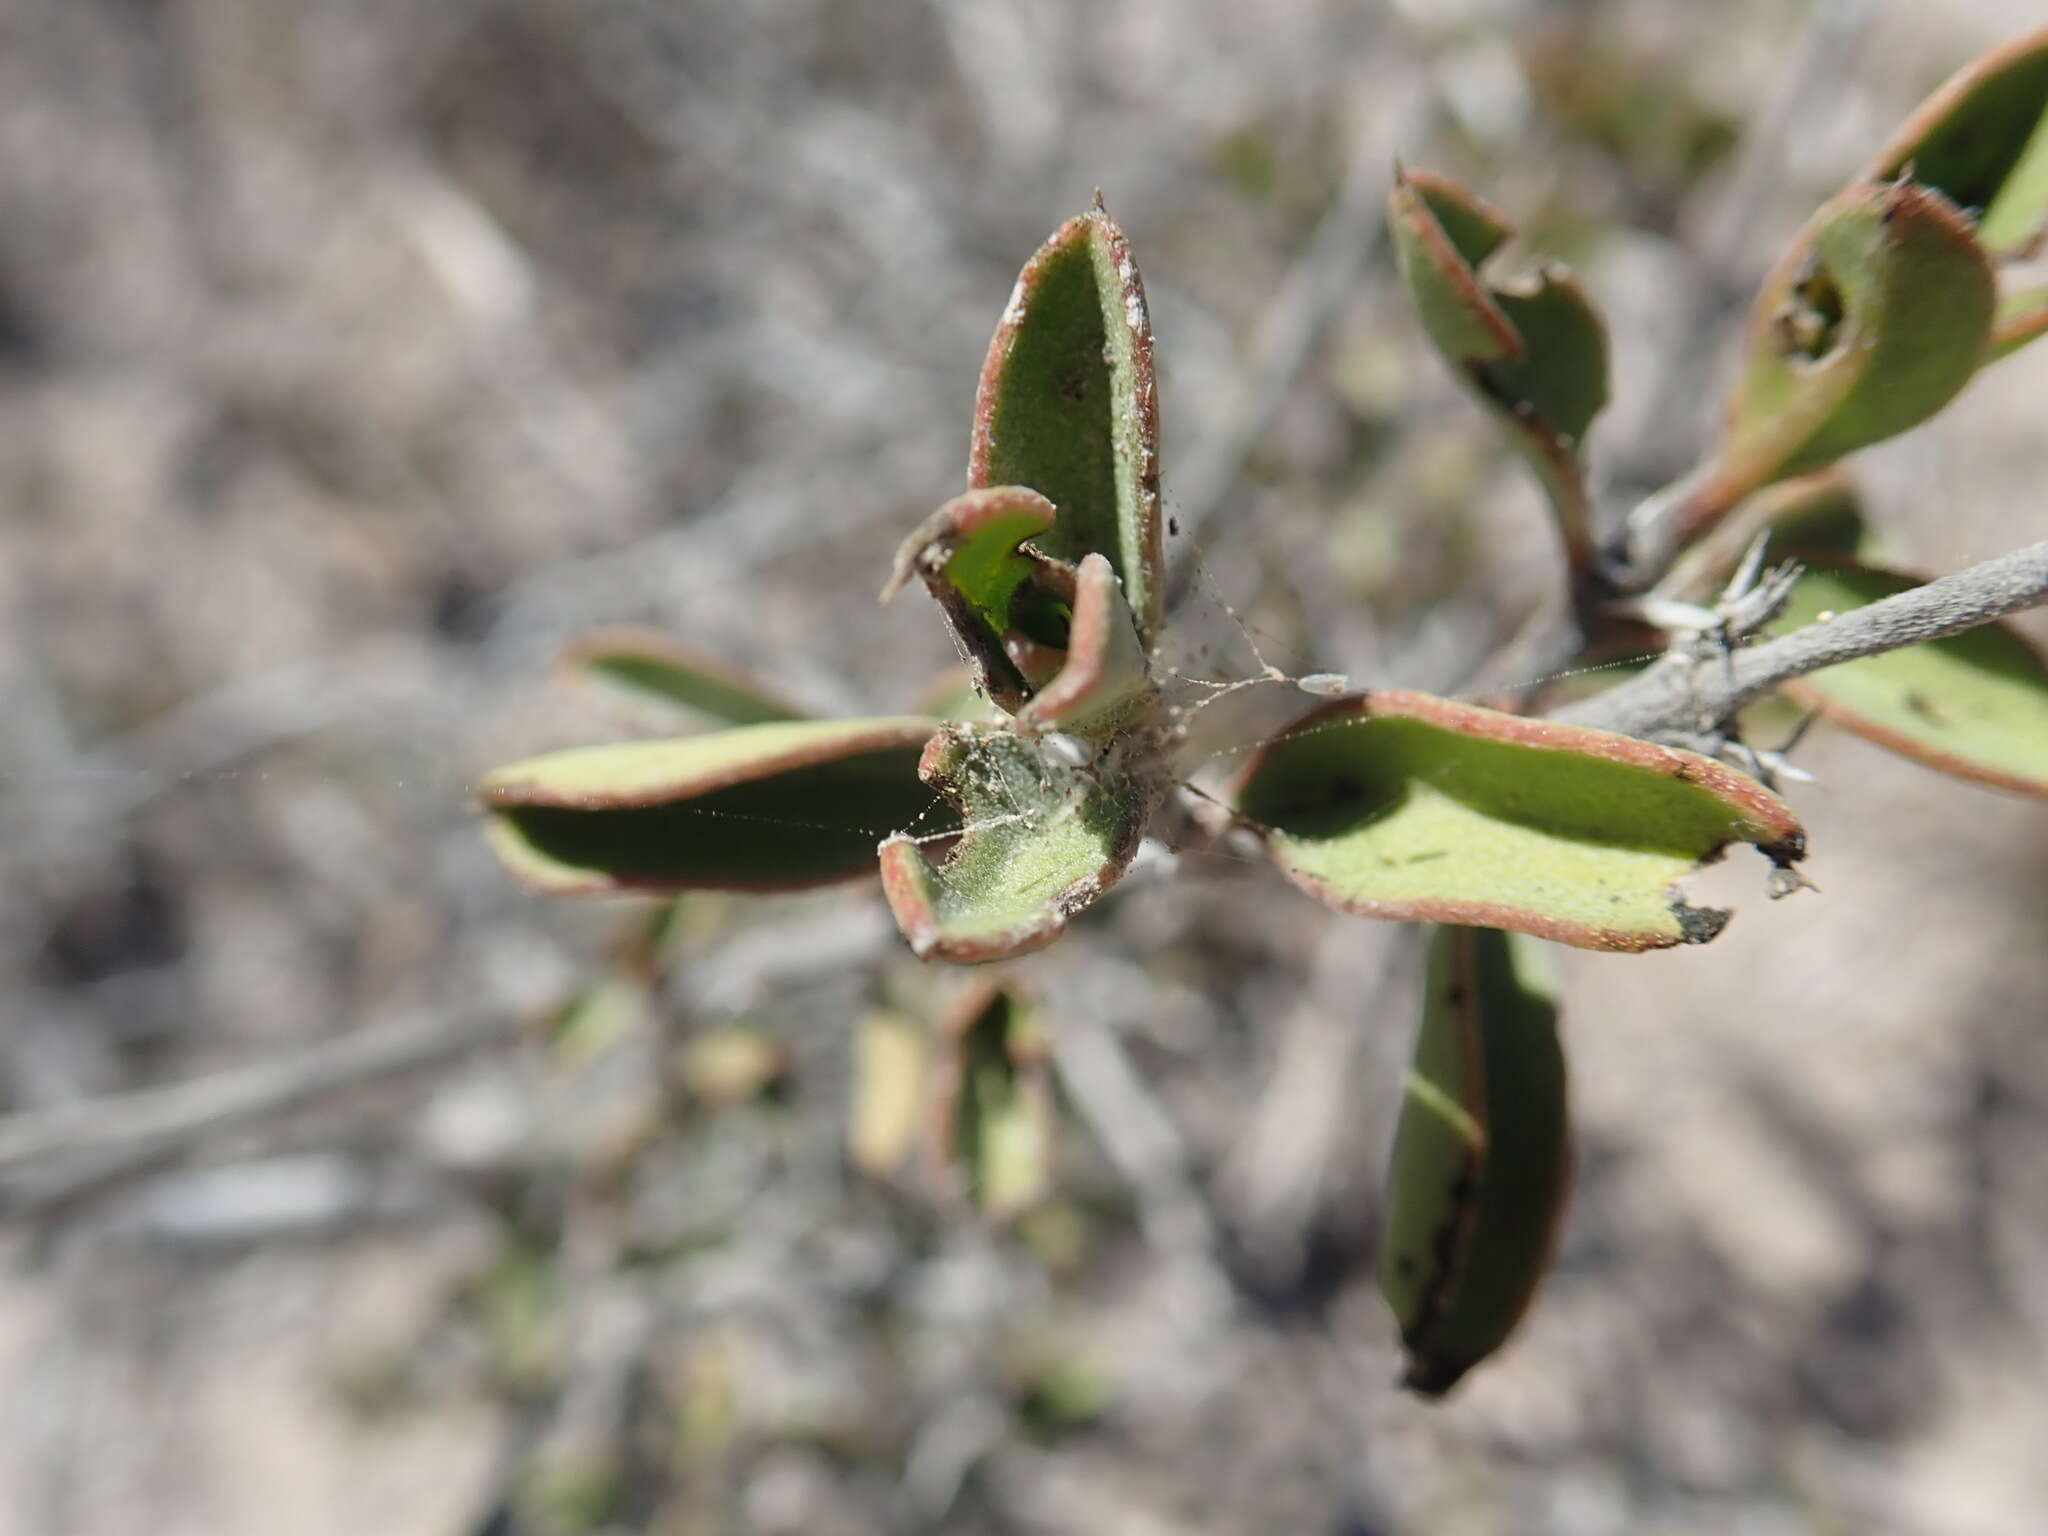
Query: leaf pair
x: 1048, y: 571
x: 1532, y: 349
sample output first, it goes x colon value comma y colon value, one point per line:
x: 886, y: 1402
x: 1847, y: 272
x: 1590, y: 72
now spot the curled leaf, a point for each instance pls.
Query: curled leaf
x: 1482, y: 1157
x: 1105, y: 680
x: 1042, y: 840
x: 1397, y: 804
x: 993, y: 1119
x: 650, y: 665
x: 1981, y: 140
x: 1068, y: 405
x: 1533, y: 350
x: 1007, y: 605
x: 1974, y: 705
x: 1876, y: 317
x: 759, y: 807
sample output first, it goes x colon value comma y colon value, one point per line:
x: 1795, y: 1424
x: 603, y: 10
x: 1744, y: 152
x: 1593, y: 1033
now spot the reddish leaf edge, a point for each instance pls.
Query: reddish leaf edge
x: 879, y: 735
x: 1781, y: 839
x: 1409, y: 204
x: 1001, y: 665
x: 1093, y: 644
x: 526, y: 868
x: 1895, y: 154
x: 1137, y: 320
x: 908, y: 880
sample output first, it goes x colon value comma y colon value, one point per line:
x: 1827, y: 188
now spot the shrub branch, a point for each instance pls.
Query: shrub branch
x: 1683, y: 698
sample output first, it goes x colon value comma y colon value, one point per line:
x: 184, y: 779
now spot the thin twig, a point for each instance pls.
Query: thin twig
x: 1136, y: 1132
x: 1297, y: 324
x: 156, y: 1118
x: 1680, y: 698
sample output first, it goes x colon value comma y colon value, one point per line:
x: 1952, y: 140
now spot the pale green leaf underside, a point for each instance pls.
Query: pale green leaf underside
x: 1043, y: 840
x: 1401, y: 817
x: 637, y: 772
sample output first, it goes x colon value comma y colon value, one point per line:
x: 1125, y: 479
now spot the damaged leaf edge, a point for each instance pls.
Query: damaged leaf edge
x: 909, y: 883
x: 1780, y: 837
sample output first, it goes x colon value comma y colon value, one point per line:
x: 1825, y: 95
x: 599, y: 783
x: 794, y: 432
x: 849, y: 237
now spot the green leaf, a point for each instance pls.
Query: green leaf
x: 1875, y: 318
x: 650, y: 665
x: 1982, y: 141
x: 2022, y: 317
x: 1106, y: 680
x: 994, y: 1119
x: 1008, y: 607
x: 760, y: 807
x: 1068, y: 405
x: 1974, y: 705
x: 1043, y: 840
x: 1396, y: 804
x: 1534, y: 350
x: 1482, y: 1157
x: 887, y: 1109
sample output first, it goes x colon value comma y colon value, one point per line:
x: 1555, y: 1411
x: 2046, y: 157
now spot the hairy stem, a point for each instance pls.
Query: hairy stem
x: 1686, y: 698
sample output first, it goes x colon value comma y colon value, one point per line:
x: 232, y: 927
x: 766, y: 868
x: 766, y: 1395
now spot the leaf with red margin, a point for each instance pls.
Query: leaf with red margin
x: 1974, y: 705
x: 1006, y: 604
x: 1106, y: 681
x: 1982, y: 141
x: 761, y: 807
x: 1398, y: 804
x: 650, y: 665
x: 1068, y: 406
x: 1477, y: 1180
x: 1533, y: 351
x: 1043, y: 840
x: 1878, y: 314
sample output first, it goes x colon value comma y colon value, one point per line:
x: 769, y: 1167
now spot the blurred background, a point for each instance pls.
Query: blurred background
x: 355, y: 354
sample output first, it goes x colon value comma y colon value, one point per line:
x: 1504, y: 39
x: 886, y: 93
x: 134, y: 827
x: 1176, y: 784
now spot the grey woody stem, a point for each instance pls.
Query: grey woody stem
x: 1686, y: 698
